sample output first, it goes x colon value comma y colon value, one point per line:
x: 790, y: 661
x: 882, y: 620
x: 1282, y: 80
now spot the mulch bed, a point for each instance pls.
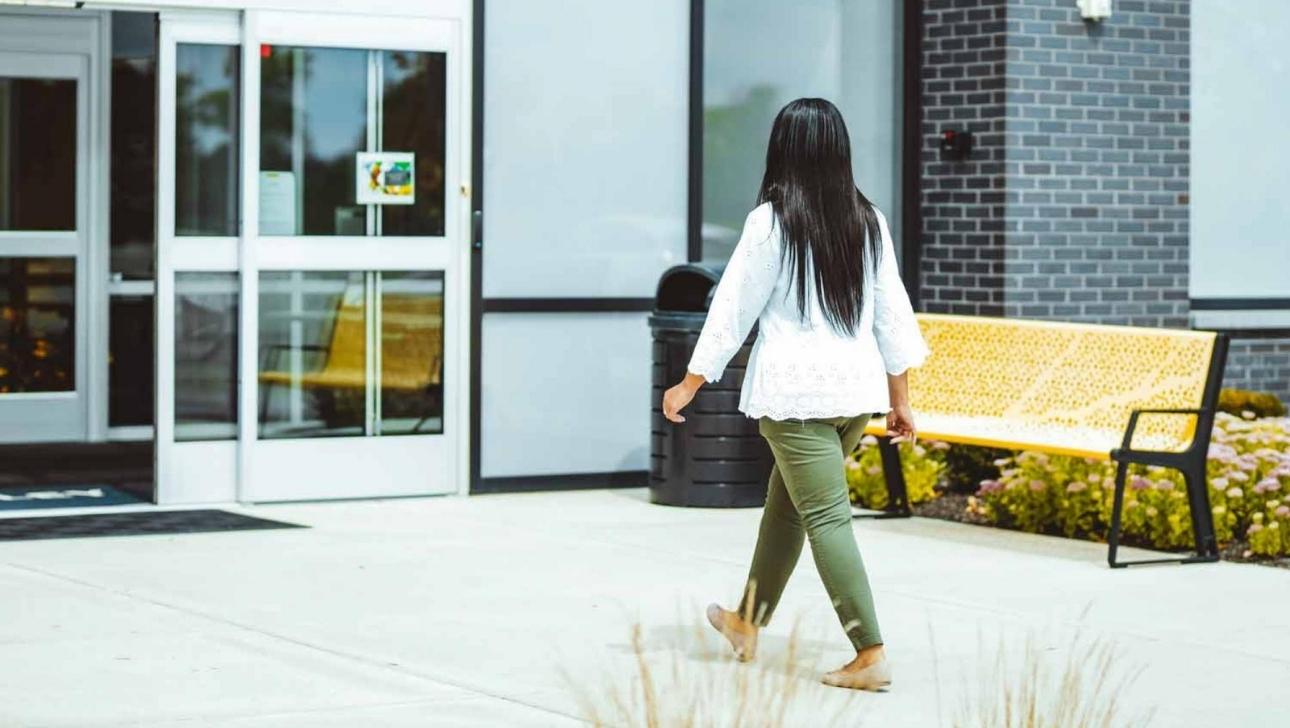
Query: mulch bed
x: 950, y: 506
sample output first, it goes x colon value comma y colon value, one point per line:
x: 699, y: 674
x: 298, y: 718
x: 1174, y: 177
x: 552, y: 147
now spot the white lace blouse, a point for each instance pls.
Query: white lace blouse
x: 803, y: 369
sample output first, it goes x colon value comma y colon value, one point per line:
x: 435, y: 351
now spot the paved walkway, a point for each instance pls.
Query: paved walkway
x: 502, y: 610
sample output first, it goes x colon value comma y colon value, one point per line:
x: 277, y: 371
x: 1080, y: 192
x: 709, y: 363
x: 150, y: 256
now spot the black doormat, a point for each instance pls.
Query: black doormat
x: 139, y: 523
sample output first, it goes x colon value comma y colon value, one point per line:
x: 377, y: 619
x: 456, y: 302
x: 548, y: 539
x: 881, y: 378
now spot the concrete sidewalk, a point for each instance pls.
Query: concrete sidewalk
x: 480, y: 611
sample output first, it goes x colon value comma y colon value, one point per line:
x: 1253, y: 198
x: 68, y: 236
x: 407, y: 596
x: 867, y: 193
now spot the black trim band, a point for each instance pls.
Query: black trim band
x: 1239, y: 304
x: 567, y: 305
x: 568, y: 481
x: 694, y: 236
x: 477, y: 241
x: 911, y: 152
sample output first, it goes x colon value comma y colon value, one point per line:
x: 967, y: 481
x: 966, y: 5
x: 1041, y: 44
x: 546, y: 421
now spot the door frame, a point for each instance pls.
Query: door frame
x: 200, y: 471
x: 254, y: 470
x: 84, y: 35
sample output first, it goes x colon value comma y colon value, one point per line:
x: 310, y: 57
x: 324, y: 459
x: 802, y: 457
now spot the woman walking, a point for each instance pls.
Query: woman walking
x: 815, y: 266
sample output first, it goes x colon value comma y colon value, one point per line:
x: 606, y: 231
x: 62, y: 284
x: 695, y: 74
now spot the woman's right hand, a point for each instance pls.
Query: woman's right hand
x: 676, y: 398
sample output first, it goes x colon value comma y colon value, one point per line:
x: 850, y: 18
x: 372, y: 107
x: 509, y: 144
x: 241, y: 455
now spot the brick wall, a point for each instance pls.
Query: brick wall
x: 963, y: 202
x: 1260, y: 364
x: 1096, y: 163
x: 1074, y: 203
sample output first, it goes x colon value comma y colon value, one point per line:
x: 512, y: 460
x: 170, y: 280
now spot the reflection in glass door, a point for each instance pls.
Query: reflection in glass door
x: 43, y: 184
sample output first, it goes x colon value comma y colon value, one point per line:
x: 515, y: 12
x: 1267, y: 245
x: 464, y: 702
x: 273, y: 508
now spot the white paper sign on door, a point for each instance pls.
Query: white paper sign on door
x: 385, y: 178
x: 278, y: 203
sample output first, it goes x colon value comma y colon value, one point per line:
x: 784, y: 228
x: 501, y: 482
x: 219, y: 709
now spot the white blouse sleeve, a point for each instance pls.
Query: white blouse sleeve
x: 899, y: 339
x: 740, y: 297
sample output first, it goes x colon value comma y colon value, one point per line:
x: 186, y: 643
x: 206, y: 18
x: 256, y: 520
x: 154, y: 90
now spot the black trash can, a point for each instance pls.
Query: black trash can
x: 716, y: 458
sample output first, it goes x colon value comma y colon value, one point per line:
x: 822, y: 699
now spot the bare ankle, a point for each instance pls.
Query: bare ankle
x: 869, y: 655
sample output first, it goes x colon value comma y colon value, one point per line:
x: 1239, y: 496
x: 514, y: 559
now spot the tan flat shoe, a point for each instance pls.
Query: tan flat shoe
x: 876, y: 677
x: 741, y: 637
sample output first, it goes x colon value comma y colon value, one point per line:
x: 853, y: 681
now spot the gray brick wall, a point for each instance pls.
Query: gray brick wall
x: 1260, y: 364
x: 1096, y: 163
x: 963, y: 202
x: 1074, y: 204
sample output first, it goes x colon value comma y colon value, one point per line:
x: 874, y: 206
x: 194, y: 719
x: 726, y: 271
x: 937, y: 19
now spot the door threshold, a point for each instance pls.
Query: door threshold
x: 53, y: 511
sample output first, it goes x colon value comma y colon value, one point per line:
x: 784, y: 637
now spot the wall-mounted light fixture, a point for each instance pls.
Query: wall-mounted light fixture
x: 956, y: 144
x: 1094, y: 9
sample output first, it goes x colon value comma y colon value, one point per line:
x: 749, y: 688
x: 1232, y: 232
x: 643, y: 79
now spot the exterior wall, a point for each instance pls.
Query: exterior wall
x: 963, y: 209
x: 1096, y: 168
x: 1260, y: 364
x: 1074, y: 205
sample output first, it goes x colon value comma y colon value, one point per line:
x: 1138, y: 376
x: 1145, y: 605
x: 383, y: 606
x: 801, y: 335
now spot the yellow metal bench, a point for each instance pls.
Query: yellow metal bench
x: 411, y: 356
x: 1128, y: 394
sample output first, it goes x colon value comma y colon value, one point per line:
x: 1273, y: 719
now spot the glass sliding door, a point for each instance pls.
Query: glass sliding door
x: 199, y: 280
x: 354, y: 224
x: 311, y: 223
x: 44, y: 231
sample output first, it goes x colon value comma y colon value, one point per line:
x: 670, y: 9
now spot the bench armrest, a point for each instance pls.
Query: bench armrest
x: 1133, y: 422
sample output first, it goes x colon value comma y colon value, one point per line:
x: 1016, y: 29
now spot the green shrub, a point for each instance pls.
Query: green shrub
x: 921, y: 462
x: 1239, y: 401
x: 1248, y: 473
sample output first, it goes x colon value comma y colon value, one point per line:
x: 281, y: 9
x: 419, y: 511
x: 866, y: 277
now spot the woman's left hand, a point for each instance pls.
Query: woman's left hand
x: 676, y: 398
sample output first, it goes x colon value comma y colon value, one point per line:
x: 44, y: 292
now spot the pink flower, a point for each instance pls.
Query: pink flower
x: 1076, y: 486
x: 1282, y: 511
x: 1234, y: 492
x: 1037, y: 485
x: 1164, y: 485
x: 1139, y: 483
x: 989, y: 486
x: 1254, y: 528
x: 1238, y: 476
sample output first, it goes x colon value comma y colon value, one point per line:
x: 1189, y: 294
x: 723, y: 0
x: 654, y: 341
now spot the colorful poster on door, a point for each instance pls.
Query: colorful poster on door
x: 385, y: 178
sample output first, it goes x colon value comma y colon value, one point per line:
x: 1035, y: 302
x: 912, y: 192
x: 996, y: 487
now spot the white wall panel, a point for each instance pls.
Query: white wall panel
x: 565, y: 393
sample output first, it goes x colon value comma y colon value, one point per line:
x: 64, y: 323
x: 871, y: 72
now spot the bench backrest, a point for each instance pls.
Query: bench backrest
x: 411, y: 341
x: 1053, y: 374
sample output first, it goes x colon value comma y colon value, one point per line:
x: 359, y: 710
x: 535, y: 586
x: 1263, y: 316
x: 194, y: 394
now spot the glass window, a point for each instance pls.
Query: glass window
x: 130, y: 361
x: 313, y: 121
x: 414, y: 93
x: 585, y: 147
x: 323, y: 372
x: 847, y: 52
x: 313, y: 354
x: 411, y: 371
x: 134, y: 145
x: 37, y: 325
x: 206, y: 356
x: 206, y: 140
x: 318, y: 111
x: 37, y: 154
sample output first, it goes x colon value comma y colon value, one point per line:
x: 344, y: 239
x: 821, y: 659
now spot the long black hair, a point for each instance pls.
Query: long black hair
x: 822, y: 216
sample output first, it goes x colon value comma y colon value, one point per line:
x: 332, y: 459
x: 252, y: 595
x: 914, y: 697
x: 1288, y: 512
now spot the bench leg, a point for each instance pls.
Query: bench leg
x: 897, y: 495
x: 1202, y: 520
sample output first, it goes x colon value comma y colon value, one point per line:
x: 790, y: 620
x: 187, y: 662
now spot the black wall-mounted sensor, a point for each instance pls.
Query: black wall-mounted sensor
x: 956, y: 144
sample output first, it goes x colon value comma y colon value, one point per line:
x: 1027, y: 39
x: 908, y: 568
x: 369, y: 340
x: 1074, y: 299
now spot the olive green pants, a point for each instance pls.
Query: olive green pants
x: 808, y: 498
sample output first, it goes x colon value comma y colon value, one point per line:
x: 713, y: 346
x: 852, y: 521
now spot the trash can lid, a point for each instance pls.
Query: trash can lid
x: 688, y: 287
